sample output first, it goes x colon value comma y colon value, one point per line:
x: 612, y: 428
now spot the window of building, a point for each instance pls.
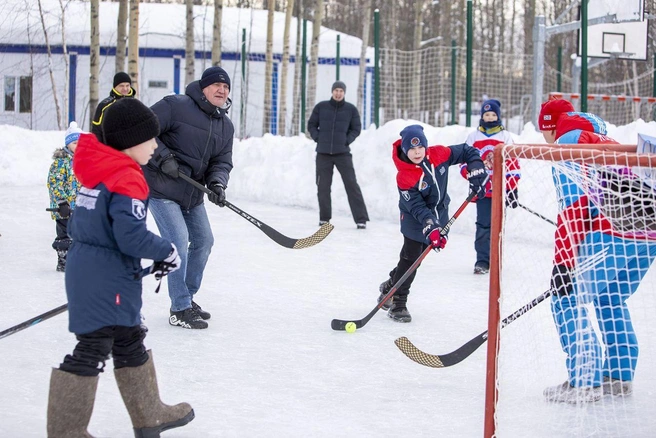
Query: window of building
x: 10, y: 93
x: 18, y: 89
x: 25, y: 95
x: 158, y: 84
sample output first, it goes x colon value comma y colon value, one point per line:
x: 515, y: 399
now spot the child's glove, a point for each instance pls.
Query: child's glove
x: 433, y: 234
x: 64, y: 209
x: 170, y: 264
x: 218, y: 194
x: 512, y: 198
x: 561, y: 280
x: 478, y: 182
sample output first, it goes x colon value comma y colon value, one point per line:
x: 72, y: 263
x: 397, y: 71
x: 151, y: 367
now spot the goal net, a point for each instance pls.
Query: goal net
x: 603, y: 198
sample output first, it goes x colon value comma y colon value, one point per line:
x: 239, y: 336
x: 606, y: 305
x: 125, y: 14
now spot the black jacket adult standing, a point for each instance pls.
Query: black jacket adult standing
x: 96, y: 124
x: 199, y: 135
x: 334, y: 126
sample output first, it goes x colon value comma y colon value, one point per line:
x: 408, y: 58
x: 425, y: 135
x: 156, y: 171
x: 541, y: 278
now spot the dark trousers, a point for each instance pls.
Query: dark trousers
x: 410, y: 252
x: 344, y: 164
x: 483, y: 219
x: 92, y: 350
x: 62, y: 242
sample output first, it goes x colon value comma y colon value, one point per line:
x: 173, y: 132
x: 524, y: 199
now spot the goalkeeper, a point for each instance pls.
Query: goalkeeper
x: 618, y: 259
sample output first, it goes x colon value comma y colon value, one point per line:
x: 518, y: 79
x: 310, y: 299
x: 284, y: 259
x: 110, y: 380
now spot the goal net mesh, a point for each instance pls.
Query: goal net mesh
x: 606, y: 323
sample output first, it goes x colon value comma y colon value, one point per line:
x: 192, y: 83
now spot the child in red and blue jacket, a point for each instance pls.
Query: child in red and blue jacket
x: 423, y: 174
x: 490, y: 133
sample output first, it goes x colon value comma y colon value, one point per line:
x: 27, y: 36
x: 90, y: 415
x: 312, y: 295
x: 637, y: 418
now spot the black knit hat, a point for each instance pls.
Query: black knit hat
x: 214, y: 74
x: 121, y: 77
x: 127, y: 123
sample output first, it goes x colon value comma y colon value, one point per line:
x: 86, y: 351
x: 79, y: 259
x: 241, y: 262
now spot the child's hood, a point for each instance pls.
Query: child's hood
x: 584, y: 121
x: 97, y: 163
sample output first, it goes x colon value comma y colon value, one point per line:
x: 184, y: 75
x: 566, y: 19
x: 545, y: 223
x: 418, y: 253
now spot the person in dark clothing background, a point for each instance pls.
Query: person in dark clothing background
x: 334, y: 125
x: 121, y: 87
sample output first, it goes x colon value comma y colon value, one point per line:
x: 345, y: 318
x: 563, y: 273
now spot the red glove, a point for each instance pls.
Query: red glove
x: 437, y: 240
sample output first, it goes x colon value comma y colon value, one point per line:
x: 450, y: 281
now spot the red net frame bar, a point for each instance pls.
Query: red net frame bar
x: 603, y: 97
x: 604, y: 154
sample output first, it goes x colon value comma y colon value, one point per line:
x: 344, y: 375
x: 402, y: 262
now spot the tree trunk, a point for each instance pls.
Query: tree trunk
x: 50, y: 68
x: 314, y: 54
x: 298, y: 65
x: 190, y: 58
x: 94, y: 60
x: 416, y: 80
x: 362, y: 74
x: 66, y: 64
x: 133, y: 45
x: 268, y: 70
x: 282, y: 114
x: 121, y: 36
x: 216, y: 29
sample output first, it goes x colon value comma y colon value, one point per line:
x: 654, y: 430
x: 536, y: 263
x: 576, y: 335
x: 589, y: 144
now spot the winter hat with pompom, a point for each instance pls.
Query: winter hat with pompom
x: 72, y: 133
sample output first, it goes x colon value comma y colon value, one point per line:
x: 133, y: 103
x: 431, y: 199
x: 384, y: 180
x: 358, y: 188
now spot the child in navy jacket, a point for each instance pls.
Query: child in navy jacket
x: 423, y: 174
x: 103, y: 281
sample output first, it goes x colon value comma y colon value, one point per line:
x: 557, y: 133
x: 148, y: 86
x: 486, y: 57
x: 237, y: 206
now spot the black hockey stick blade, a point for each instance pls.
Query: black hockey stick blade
x: 271, y: 233
x: 340, y: 324
x: 462, y: 353
x: 535, y: 213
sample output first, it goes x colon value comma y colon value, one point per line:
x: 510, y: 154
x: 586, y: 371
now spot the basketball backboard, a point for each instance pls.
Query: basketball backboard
x: 626, y: 38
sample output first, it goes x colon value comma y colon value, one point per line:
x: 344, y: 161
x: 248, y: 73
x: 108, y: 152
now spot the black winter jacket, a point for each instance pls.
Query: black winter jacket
x: 96, y: 124
x: 199, y: 135
x: 334, y: 126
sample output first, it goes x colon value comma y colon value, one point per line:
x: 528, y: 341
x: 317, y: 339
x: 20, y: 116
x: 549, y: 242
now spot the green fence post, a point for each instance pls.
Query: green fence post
x: 337, y: 60
x: 377, y: 68
x: 454, y: 59
x: 303, y: 60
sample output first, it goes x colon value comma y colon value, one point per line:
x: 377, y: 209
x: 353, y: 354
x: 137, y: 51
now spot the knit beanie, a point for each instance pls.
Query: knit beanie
x: 121, y: 77
x: 413, y: 137
x: 491, y: 105
x: 550, y: 113
x: 213, y: 75
x: 72, y: 133
x: 127, y: 123
x: 339, y: 84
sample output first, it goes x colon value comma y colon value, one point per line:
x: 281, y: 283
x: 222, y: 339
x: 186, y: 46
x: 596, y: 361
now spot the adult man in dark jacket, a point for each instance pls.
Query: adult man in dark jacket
x: 334, y: 125
x: 196, y: 139
x: 121, y: 87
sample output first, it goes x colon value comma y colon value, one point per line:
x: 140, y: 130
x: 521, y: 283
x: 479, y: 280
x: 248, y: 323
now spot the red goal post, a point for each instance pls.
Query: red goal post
x: 605, y: 155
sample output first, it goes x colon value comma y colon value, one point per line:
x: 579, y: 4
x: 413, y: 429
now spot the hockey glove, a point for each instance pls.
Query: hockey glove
x: 218, y: 194
x: 512, y: 199
x: 170, y: 264
x: 478, y: 182
x: 433, y: 235
x: 64, y: 209
x: 561, y: 280
x: 169, y: 166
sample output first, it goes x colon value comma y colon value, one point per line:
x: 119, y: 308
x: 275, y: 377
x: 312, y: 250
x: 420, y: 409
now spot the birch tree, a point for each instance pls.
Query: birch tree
x: 121, y: 36
x: 190, y: 58
x: 314, y: 54
x: 268, y: 68
x: 94, y: 59
x: 298, y: 65
x: 216, y: 36
x: 282, y: 114
x: 66, y: 61
x: 133, y: 45
x: 53, y: 82
x: 366, y: 25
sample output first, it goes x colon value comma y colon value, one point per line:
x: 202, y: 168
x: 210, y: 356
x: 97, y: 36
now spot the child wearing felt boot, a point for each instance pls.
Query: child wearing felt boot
x: 103, y: 280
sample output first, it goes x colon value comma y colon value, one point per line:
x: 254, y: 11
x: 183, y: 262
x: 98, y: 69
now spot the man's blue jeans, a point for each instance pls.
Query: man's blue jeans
x: 191, y: 233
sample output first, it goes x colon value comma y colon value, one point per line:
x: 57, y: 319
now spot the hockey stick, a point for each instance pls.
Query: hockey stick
x: 340, y: 324
x: 274, y: 235
x: 54, y: 312
x: 462, y: 353
x: 537, y: 214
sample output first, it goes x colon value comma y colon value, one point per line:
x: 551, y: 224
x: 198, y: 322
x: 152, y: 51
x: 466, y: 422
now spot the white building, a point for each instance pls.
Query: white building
x: 28, y: 96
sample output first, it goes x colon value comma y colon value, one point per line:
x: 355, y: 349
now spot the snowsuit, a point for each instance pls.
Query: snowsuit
x: 484, y: 140
x: 63, y: 186
x: 614, y: 267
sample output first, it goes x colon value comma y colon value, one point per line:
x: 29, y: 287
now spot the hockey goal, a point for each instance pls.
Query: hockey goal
x: 525, y: 357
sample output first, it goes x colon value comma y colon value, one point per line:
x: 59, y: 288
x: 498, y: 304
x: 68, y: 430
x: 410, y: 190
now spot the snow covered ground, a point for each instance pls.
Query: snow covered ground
x: 269, y: 365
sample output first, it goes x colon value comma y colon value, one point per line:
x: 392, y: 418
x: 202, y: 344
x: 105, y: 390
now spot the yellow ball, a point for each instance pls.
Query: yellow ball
x: 350, y: 327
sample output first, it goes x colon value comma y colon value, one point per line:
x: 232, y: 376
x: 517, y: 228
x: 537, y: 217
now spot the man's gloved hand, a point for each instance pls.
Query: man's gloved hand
x: 512, y: 198
x: 478, y: 182
x: 64, y: 209
x: 218, y: 194
x: 170, y: 264
x: 169, y: 166
x: 561, y: 280
x: 433, y: 234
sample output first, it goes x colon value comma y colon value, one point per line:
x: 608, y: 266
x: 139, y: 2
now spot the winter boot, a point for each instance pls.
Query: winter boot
x: 566, y: 393
x: 398, y: 310
x: 61, y: 260
x: 70, y: 404
x: 384, y: 289
x: 199, y: 311
x: 481, y: 268
x: 150, y: 417
x: 188, y: 319
x: 617, y: 387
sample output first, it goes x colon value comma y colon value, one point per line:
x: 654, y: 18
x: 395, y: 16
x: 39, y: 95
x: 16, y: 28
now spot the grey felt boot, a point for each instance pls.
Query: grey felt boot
x: 70, y: 404
x: 150, y: 417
